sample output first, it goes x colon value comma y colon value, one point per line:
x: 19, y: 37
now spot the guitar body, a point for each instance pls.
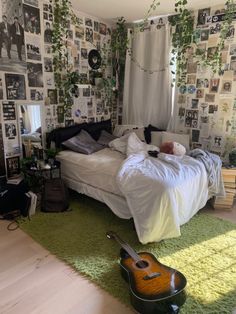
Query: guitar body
x: 161, y: 291
x: 154, y: 287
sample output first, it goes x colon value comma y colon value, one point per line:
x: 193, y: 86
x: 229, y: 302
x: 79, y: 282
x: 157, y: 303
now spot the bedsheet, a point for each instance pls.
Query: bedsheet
x: 98, y: 169
x: 162, y: 193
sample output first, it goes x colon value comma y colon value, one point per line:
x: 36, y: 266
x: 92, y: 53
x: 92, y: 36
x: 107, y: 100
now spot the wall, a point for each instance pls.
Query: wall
x: 206, y: 105
x: 26, y: 75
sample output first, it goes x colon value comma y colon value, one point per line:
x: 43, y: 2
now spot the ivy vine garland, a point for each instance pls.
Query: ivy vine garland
x: 64, y: 76
x: 183, y: 22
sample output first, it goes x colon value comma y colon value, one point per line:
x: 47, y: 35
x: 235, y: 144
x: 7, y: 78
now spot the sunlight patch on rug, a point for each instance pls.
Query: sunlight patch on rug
x: 205, y: 253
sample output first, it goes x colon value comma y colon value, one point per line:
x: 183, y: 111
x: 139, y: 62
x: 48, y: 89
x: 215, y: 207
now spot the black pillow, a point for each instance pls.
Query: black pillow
x: 105, y: 138
x: 148, y: 130
x: 62, y: 134
x: 95, y: 128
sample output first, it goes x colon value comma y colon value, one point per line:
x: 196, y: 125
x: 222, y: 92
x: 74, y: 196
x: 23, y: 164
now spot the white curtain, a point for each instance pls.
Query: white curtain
x: 147, y: 88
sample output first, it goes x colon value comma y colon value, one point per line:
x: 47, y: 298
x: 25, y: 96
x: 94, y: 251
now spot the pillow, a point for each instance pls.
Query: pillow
x: 174, y: 137
x: 156, y: 138
x: 34, y: 137
x: 148, y: 130
x: 135, y: 145
x: 121, y: 128
x: 138, y: 131
x: 83, y: 143
x: 95, y: 128
x: 105, y: 138
x: 120, y: 144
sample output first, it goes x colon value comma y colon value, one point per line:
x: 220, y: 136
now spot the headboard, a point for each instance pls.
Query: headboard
x: 58, y: 136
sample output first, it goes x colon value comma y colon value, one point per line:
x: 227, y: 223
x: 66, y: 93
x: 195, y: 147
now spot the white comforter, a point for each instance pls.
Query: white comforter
x: 162, y: 193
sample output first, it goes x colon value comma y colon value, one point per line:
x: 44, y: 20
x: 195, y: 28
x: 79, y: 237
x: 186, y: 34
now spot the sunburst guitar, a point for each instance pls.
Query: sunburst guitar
x: 154, y: 287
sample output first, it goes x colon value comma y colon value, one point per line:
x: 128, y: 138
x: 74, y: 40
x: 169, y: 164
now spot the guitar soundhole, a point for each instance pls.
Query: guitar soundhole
x: 142, y: 264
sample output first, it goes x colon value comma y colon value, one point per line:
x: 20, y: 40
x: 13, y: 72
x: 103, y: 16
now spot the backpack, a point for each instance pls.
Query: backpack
x: 55, y: 197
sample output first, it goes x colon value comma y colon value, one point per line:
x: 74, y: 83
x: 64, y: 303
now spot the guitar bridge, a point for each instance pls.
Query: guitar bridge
x: 152, y: 276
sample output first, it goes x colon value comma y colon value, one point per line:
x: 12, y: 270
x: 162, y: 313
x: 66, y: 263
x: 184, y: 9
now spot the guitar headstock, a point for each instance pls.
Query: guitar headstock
x: 111, y: 235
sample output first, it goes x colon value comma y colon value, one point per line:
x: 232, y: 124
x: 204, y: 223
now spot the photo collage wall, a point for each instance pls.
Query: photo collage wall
x: 206, y: 105
x: 26, y: 67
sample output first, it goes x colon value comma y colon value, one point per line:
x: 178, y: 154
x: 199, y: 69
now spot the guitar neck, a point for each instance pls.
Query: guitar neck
x: 126, y: 247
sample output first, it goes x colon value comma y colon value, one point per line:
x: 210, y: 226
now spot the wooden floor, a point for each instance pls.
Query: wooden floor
x: 34, y: 281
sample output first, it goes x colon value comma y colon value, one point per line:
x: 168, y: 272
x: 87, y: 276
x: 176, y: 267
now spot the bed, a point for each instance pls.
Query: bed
x: 160, y: 194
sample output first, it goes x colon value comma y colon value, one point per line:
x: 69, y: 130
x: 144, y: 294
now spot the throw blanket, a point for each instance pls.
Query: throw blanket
x: 212, y: 164
x: 162, y: 193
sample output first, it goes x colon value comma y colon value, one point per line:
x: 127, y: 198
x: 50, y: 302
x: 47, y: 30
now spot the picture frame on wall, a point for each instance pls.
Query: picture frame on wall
x: 31, y: 19
x: 15, y: 86
x: 13, y: 166
x: 35, y: 74
x: 9, y: 110
x: 12, y: 48
x: 10, y: 130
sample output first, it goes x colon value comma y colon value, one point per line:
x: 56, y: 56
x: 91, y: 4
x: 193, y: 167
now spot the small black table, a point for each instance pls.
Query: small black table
x: 36, y: 177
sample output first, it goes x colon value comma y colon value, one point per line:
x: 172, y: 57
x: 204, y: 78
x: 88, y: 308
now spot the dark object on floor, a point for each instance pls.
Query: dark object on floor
x: 3, y: 183
x: 153, y: 153
x: 154, y: 287
x: 14, y: 198
x: 55, y: 197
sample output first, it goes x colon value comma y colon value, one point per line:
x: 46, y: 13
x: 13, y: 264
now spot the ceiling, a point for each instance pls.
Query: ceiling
x: 133, y: 10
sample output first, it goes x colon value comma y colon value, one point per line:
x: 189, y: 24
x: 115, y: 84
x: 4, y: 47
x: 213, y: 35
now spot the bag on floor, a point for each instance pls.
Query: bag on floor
x: 55, y: 197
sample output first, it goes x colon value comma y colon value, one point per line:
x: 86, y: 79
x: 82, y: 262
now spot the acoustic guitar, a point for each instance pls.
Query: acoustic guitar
x: 154, y: 287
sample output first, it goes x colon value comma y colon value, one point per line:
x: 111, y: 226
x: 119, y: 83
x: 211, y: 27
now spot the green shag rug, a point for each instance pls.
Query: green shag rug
x: 205, y: 253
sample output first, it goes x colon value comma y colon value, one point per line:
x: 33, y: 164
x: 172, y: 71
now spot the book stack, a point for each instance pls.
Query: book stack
x: 229, y: 178
x: 15, y: 180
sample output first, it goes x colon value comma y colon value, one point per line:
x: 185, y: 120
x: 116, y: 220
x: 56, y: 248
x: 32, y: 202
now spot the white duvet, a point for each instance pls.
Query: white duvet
x: 162, y: 193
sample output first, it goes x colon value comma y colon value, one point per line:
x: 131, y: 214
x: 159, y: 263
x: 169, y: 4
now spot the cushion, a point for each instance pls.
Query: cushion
x: 183, y: 139
x: 148, y: 130
x: 60, y: 135
x: 105, y: 138
x: 138, y: 131
x: 34, y: 137
x: 135, y: 145
x: 122, y: 128
x: 156, y: 138
x: 83, y: 143
x: 120, y: 144
x: 95, y: 128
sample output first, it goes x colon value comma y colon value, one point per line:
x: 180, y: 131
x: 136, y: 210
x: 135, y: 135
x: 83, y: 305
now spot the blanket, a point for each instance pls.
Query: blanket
x: 212, y: 164
x: 162, y: 193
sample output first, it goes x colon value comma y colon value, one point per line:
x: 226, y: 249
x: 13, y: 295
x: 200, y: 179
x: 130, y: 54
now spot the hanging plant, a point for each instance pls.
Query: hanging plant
x: 65, y: 77
x: 152, y: 8
x: 119, y: 47
x: 183, y: 22
x: 214, y: 60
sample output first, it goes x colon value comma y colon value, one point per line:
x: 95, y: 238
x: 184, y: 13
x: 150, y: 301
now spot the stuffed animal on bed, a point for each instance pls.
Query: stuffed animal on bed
x: 172, y: 148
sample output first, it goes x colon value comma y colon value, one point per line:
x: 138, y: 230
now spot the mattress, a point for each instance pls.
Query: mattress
x: 98, y: 169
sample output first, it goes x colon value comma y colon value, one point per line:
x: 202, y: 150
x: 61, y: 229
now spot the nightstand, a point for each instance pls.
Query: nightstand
x: 36, y: 177
x: 229, y: 179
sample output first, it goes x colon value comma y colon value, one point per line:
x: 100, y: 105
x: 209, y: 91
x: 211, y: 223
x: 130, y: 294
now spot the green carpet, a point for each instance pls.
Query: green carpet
x: 205, y: 253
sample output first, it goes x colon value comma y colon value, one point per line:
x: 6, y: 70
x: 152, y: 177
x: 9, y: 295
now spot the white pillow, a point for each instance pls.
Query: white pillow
x: 174, y: 137
x: 120, y: 129
x: 138, y: 131
x: 156, y: 138
x: 135, y: 145
x: 119, y: 144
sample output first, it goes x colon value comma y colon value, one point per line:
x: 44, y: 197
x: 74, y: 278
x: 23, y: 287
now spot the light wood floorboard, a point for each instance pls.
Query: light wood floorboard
x: 34, y: 281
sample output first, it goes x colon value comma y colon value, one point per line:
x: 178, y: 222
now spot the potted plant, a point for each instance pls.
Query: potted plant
x: 51, y: 156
